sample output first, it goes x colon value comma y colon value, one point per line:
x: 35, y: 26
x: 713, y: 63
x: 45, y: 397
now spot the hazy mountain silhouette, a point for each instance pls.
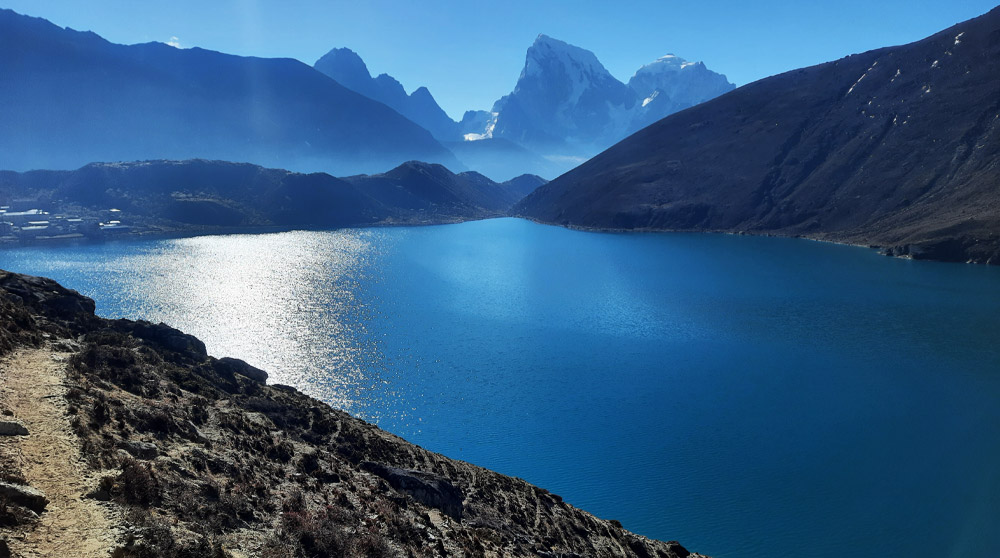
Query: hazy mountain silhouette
x: 419, y: 186
x: 69, y: 97
x: 564, y: 108
x: 349, y: 70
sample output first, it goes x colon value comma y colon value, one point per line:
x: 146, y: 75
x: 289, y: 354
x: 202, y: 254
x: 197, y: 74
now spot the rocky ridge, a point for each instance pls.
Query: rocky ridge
x: 189, y: 455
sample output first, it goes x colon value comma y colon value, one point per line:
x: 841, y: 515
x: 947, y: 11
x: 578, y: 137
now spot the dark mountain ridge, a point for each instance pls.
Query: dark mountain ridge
x: 896, y: 147
x: 199, y: 193
x: 419, y: 186
x: 68, y: 98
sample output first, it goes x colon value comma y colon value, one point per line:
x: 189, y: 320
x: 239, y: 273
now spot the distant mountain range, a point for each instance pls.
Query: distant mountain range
x: 564, y: 108
x: 68, y: 98
x: 349, y: 70
x: 180, y: 195
x: 898, y: 147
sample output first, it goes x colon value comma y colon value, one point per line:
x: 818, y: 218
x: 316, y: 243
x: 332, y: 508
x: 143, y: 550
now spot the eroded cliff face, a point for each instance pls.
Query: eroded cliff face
x: 175, y: 453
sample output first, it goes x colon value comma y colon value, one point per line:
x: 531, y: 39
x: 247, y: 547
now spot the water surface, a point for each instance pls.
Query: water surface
x: 745, y: 395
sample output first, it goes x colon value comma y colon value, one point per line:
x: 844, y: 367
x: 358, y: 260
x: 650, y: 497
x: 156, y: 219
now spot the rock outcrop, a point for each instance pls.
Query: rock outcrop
x: 12, y: 428
x: 25, y: 496
x: 427, y: 488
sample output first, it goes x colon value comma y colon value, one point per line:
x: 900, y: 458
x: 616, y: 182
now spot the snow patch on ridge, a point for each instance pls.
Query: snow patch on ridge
x: 861, y: 78
x: 487, y: 133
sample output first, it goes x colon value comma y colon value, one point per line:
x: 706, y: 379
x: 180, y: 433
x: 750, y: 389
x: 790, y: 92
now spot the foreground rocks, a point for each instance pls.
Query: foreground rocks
x: 429, y: 489
x: 204, y: 459
x: 12, y: 428
x: 24, y: 496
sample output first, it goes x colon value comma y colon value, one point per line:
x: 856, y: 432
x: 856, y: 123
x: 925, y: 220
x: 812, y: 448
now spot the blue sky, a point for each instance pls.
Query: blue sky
x: 470, y: 53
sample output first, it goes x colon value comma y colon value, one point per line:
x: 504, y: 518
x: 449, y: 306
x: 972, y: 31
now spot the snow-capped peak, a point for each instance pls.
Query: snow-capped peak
x: 669, y: 63
x: 547, y: 52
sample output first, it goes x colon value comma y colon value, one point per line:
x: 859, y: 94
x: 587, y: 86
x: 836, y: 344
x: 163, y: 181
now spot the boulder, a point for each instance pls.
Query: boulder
x: 676, y: 548
x: 141, y: 450
x: 26, y: 496
x: 167, y: 337
x: 50, y: 298
x: 242, y: 368
x: 12, y: 428
x: 427, y: 488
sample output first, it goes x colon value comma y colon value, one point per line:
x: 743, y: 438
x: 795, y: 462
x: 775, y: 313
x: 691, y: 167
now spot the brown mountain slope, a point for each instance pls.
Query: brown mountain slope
x: 898, y: 147
x: 177, y: 453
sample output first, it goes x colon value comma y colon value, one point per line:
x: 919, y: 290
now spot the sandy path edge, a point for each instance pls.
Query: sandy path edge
x: 33, y: 386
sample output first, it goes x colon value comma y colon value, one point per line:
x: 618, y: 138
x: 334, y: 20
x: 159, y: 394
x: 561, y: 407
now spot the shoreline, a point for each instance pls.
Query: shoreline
x: 901, y: 252
x: 192, y: 232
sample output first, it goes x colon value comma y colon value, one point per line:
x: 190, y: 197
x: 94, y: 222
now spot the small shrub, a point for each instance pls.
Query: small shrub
x: 280, y: 450
x: 100, y: 414
x: 156, y: 421
x: 314, y: 533
x: 137, y: 484
x: 308, y: 463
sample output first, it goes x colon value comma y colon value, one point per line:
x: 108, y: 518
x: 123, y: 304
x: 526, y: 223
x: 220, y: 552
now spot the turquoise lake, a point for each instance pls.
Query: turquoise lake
x: 746, y: 396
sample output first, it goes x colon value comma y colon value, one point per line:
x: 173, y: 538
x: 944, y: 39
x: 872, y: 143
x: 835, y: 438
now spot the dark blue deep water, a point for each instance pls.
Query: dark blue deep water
x: 747, y: 396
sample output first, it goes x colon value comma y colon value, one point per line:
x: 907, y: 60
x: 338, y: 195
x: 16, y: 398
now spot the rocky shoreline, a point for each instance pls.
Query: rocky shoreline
x: 177, y: 453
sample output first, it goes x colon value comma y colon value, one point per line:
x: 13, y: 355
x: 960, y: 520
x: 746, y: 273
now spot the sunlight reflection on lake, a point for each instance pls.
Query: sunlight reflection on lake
x: 258, y: 296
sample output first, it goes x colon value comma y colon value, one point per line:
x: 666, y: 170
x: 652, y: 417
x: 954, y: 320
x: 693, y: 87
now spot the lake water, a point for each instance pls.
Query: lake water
x: 746, y: 396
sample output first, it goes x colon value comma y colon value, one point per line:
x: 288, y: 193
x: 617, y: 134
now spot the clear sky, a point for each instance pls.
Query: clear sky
x: 469, y: 53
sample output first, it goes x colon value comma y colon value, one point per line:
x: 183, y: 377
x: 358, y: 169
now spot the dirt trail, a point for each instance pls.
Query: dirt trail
x: 33, y: 387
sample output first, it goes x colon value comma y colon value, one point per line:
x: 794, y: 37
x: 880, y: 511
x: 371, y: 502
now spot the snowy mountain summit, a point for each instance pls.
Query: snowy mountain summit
x: 563, y: 96
x: 671, y: 84
x: 566, y: 103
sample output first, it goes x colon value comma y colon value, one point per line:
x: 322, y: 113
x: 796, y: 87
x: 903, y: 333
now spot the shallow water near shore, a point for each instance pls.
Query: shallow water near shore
x: 744, y: 395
